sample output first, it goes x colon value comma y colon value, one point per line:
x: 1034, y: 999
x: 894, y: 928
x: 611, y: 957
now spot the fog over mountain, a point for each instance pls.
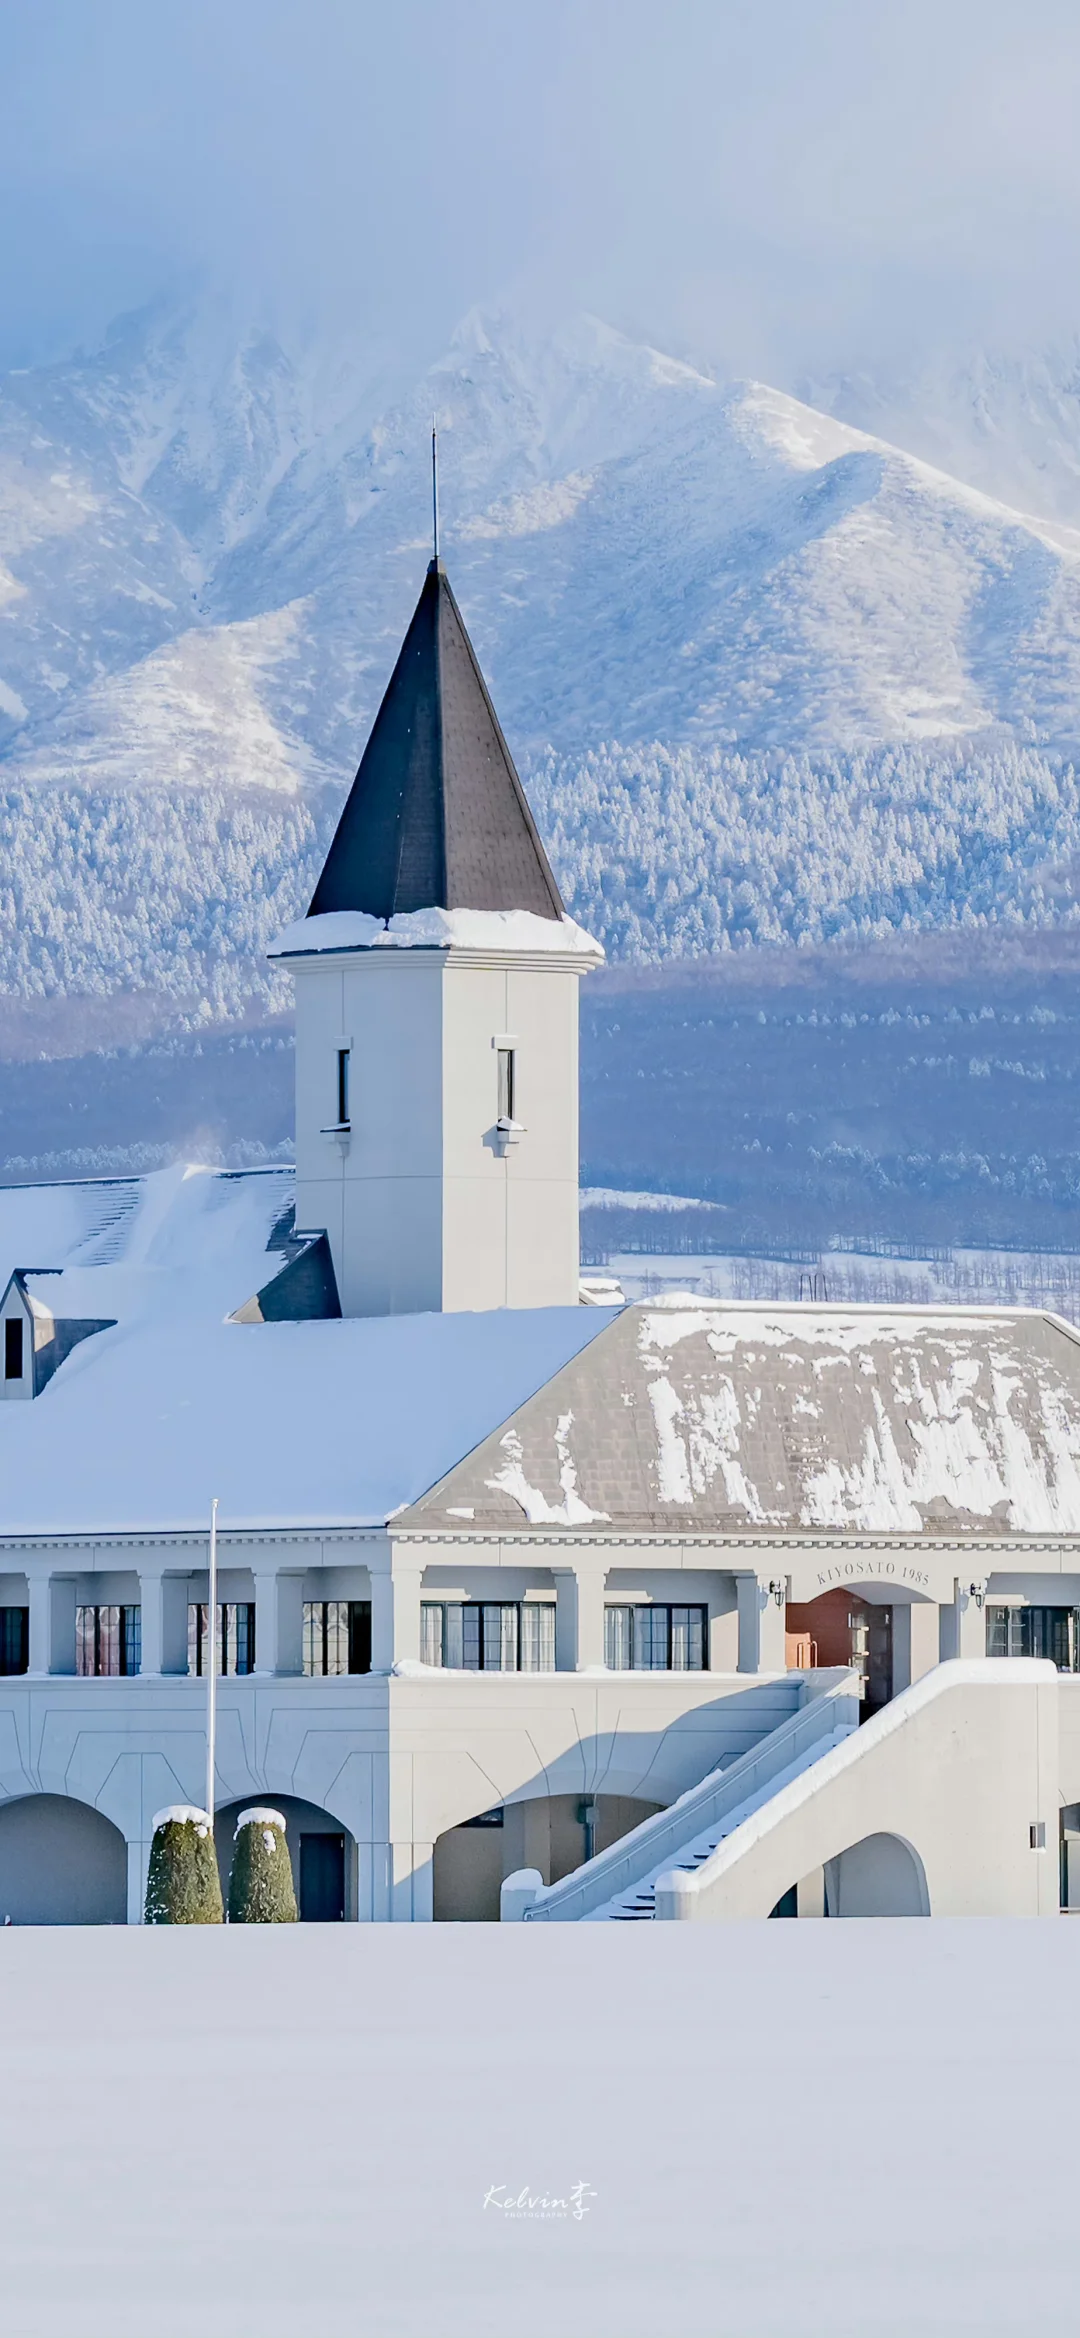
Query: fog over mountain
x: 769, y: 676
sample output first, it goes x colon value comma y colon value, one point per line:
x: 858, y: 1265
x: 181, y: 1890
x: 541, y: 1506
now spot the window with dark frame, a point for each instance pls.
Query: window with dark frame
x: 507, y: 1083
x: 235, y: 1637
x: 14, y: 1639
x: 13, y: 1347
x: 484, y: 1635
x: 1052, y: 1632
x: 641, y: 1636
x: 343, y: 1055
x: 337, y: 1637
x: 108, y: 1642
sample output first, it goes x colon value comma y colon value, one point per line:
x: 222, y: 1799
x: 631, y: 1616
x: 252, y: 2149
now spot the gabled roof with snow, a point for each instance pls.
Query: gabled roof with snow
x: 436, y: 817
x: 746, y: 1419
x: 683, y: 1416
x: 311, y: 1424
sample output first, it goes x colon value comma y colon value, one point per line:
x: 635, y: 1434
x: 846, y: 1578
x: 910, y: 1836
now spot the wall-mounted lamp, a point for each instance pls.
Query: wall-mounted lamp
x: 778, y: 1591
x: 977, y: 1592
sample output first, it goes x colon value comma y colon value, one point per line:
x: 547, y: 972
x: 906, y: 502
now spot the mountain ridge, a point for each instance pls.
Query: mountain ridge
x: 769, y: 676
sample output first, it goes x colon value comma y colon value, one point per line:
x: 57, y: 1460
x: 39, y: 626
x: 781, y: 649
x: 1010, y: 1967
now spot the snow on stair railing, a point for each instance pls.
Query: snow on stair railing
x: 636, y: 1855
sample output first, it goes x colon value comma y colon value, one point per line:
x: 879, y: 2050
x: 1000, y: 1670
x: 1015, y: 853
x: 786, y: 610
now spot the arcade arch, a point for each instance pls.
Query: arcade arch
x: 322, y: 1853
x: 888, y: 1633
x: 553, y: 1833
x: 61, y: 1862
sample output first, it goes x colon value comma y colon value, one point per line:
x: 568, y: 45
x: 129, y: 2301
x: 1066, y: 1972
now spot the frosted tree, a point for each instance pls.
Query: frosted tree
x: 183, y: 1885
x: 261, y: 1884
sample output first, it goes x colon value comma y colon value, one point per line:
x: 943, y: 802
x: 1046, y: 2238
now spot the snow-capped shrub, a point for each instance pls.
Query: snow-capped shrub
x: 261, y: 1884
x: 183, y: 1885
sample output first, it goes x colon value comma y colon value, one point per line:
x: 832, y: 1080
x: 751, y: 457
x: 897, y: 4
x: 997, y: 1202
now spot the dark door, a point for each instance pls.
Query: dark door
x: 879, y: 1675
x: 322, y: 1879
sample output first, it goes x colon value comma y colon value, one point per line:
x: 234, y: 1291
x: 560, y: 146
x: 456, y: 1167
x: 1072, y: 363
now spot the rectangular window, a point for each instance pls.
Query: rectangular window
x: 13, y: 1347
x: 640, y: 1637
x: 507, y: 1083
x: 537, y: 1630
x: 619, y: 1638
x: 1035, y: 1631
x: 505, y: 1635
x: 235, y: 1637
x: 14, y: 1639
x: 343, y: 1055
x: 108, y: 1642
x: 337, y: 1636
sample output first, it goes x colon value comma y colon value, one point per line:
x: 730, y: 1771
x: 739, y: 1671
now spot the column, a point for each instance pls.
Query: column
x: 52, y: 1624
x: 175, y: 1591
x: 40, y: 1652
x: 963, y: 1624
x: 395, y: 1616
x: 279, y: 1621
x: 810, y: 1893
x: 579, y: 1617
x: 915, y: 1635
x: 412, y: 1873
x: 761, y: 1625
x: 151, y: 1584
x: 163, y: 1600
x: 138, y: 1862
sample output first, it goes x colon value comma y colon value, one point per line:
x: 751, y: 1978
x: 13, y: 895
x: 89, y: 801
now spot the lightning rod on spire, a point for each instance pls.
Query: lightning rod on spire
x: 435, y: 487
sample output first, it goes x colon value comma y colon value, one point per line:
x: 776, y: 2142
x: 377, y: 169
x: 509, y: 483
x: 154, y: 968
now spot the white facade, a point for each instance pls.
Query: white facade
x: 401, y: 1759
x: 430, y: 1205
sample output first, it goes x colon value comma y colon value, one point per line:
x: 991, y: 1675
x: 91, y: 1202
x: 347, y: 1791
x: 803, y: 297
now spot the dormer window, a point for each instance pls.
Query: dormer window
x: 36, y: 1338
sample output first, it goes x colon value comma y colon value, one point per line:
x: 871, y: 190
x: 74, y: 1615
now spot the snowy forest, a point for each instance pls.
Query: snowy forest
x: 663, y: 852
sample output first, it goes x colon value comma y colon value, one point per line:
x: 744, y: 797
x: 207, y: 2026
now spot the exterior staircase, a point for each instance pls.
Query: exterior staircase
x: 638, y: 1905
x: 947, y: 1802
x: 618, y: 1885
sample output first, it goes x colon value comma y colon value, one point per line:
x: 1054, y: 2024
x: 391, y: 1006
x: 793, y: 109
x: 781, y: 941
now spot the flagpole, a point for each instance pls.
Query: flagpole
x: 211, y: 1678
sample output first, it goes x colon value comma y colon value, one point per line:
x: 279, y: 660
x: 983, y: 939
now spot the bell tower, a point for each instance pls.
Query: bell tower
x: 437, y: 981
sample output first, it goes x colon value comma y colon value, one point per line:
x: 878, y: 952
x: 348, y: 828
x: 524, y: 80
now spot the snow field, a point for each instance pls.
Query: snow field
x: 854, y: 2125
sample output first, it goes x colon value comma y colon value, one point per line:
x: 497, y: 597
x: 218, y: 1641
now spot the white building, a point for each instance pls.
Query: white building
x: 505, y: 1576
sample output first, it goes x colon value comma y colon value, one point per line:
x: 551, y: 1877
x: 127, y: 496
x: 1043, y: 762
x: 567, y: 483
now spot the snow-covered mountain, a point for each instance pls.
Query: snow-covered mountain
x: 1008, y: 424
x: 770, y: 674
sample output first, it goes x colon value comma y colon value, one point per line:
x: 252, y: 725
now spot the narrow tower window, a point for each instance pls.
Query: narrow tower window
x: 343, y: 1054
x: 13, y: 1348
x: 507, y: 1083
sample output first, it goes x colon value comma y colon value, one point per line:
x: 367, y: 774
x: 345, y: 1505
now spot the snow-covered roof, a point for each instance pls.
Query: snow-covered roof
x: 743, y: 1419
x: 315, y: 1424
x: 517, y: 930
x: 684, y: 1415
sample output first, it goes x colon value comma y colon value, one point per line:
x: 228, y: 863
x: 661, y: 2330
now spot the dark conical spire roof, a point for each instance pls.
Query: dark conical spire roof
x: 436, y: 817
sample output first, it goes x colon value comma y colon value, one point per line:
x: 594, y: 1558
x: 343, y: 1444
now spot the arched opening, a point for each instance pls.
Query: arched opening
x: 850, y: 1625
x: 552, y: 1832
x: 322, y: 1853
x: 60, y: 1863
x: 880, y: 1876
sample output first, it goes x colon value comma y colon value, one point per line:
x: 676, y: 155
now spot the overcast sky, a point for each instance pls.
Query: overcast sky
x: 775, y: 186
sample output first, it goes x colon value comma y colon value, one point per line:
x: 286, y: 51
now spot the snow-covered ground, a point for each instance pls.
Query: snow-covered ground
x: 782, y: 2129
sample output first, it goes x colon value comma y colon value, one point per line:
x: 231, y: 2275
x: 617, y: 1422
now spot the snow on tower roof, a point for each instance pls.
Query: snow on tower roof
x: 436, y: 817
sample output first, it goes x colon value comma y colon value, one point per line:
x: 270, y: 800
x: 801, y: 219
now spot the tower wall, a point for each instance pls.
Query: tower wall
x: 426, y: 1204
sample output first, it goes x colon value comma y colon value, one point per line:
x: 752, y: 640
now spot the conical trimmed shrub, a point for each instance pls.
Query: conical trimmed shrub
x: 261, y: 1884
x: 183, y: 1885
